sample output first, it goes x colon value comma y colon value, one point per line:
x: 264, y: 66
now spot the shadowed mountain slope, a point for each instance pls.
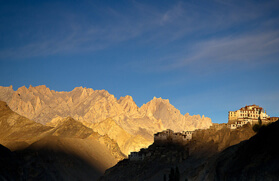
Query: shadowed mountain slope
x: 194, y: 160
x: 67, y: 151
x: 254, y: 159
x: 16, y: 131
x: 45, y: 164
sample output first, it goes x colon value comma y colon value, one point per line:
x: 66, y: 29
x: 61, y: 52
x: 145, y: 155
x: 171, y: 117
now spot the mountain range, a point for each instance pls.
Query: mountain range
x: 132, y: 127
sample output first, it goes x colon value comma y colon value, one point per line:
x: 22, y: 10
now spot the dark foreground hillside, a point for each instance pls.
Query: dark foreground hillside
x: 209, y: 156
x: 44, y: 164
x: 254, y: 159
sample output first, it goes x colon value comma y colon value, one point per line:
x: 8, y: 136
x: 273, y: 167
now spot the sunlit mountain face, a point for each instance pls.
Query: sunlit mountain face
x: 121, y: 120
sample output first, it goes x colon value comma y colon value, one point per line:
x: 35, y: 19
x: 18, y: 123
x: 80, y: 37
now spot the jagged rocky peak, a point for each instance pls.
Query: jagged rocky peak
x: 128, y: 104
x: 78, y: 88
x: 157, y: 106
x: 22, y: 89
x: 33, y: 89
x: 40, y: 89
x: 126, y: 98
x: 155, y: 102
x: 103, y: 92
x: 82, y: 90
x: 160, y: 100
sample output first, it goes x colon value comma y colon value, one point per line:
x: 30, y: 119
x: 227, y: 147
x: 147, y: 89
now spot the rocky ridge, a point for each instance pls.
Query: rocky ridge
x: 42, y: 105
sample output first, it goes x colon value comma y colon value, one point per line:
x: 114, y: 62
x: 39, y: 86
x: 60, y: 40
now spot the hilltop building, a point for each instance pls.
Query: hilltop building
x: 169, y: 136
x: 165, y: 145
x: 138, y: 156
x: 249, y: 114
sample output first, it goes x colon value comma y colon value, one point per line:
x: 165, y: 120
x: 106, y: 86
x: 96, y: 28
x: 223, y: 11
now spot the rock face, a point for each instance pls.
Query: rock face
x: 133, y: 127
x: 63, y: 150
x: 172, y: 118
x: 68, y: 126
x: 126, y: 141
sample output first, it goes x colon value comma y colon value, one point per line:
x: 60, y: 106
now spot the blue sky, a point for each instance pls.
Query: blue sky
x: 206, y: 57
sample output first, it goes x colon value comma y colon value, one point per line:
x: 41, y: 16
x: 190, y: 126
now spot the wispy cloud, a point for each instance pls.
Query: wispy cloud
x: 243, y: 48
x: 78, y: 33
x: 147, y: 25
x: 222, y: 52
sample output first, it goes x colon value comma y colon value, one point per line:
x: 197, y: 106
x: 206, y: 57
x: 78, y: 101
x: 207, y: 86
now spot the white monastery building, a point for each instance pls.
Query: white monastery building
x: 169, y: 136
x: 249, y: 113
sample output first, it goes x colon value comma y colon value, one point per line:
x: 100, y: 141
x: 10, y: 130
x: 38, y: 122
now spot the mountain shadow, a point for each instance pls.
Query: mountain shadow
x: 45, y: 164
x: 254, y: 159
